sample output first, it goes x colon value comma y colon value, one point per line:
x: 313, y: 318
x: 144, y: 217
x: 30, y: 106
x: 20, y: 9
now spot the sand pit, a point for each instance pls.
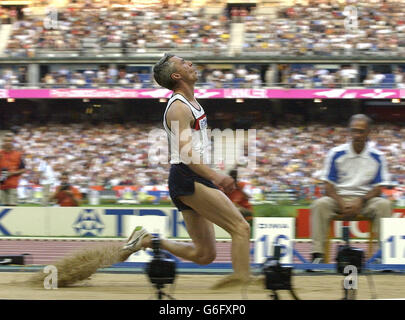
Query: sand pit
x: 106, y: 286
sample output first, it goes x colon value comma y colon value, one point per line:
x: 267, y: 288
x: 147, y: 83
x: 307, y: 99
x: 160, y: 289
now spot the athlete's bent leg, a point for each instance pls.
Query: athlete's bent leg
x: 216, y: 207
x: 203, y: 248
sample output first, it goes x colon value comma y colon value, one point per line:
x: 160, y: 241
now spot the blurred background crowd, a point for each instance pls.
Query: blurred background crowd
x: 320, y: 29
x: 298, y: 75
x: 94, y: 26
x: 312, y: 28
x: 289, y: 158
x: 286, y: 28
x: 112, y: 154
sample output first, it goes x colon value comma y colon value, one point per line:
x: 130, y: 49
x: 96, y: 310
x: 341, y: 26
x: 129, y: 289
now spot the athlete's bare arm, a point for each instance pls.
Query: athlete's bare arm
x: 179, y: 112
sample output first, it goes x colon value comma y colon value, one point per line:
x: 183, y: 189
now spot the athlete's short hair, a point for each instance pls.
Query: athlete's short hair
x: 361, y: 117
x: 163, y: 70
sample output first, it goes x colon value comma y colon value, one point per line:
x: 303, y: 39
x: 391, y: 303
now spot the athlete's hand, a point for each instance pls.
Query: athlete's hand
x: 225, y: 183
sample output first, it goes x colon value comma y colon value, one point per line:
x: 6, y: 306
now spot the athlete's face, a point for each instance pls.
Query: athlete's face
x: 184, y: 69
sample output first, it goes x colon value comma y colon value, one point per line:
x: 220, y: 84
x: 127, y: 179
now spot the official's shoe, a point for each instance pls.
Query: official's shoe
x: 134, y: 242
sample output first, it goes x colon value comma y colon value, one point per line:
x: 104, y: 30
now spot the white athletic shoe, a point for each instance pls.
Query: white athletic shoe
x: 134, y: 242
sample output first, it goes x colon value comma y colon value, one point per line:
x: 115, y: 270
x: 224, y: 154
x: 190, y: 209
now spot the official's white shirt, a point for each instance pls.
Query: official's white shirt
x: 355, y: 174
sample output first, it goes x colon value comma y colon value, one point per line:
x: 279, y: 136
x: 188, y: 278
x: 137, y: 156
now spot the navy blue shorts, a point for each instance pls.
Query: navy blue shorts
x: 181, y: 183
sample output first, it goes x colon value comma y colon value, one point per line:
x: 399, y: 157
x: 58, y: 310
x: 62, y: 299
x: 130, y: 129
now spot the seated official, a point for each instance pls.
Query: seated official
x: 354, y: 174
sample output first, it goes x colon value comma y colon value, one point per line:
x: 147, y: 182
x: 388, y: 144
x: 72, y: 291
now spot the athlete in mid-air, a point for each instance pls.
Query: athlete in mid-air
x: 195, y: 188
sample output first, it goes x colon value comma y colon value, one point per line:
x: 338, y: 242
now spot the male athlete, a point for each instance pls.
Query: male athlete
x: 195, y: 187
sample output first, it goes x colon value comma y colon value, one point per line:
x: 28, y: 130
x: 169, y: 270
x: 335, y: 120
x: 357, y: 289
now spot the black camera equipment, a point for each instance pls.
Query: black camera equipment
x: 354, y: 257
x: 3, y: 175
x: 277, y: 277
x: 161, y: 270
x: 21, y: 259
x: 64, y: 187
x: 348, y: 256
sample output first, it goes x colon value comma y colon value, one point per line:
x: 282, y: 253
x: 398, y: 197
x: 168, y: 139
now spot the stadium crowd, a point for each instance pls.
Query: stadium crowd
x: 96, y: 155
x: 13, y: 77
x: 300, y: 76
x: 307, y: 77
x: 288, y: 156
x: 94, y: 27
x: 237, y: 76
x: 103, y: 77
x: 323, y: 28
x: 109, y: 154
x: 317, y: 28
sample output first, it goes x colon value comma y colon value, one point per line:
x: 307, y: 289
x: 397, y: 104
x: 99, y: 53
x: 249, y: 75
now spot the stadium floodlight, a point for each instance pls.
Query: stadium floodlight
x: 239, y: 100
x: 163, y: 100
x: 396, y: 100
x: 317, y: 100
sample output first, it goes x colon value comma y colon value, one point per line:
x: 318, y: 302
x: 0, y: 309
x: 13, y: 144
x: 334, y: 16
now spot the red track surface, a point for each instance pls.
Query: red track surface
x: 44, y: 252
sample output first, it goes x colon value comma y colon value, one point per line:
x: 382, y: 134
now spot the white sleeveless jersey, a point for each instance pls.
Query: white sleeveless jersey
x: 200, y: 142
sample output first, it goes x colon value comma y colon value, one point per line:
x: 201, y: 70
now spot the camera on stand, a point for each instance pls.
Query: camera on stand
x: 65, y: 187
x: 161, y: 270
x: 277, y: 276
x: 349, y: 259
x: 348, y: 256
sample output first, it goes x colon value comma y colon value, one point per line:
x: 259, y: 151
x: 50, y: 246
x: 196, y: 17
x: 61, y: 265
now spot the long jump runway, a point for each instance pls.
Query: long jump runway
x: 136, y: 286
